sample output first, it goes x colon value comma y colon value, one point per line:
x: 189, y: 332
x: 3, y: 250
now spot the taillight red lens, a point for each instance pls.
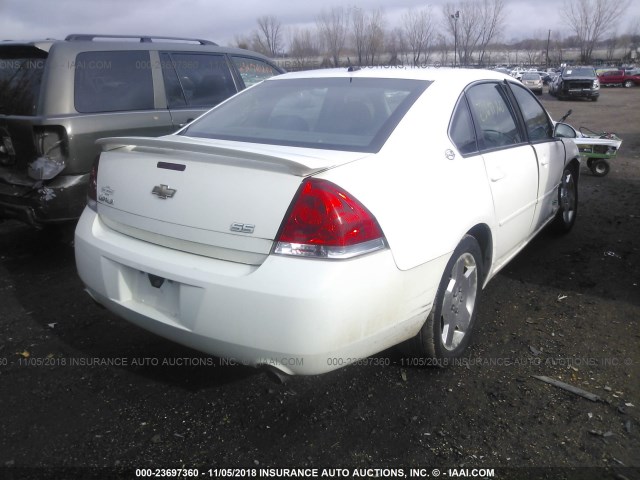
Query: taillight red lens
x: 326, y: 221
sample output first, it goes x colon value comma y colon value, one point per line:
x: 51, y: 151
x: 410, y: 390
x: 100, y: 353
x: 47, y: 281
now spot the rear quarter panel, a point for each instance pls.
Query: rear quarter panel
x: 424, y: 201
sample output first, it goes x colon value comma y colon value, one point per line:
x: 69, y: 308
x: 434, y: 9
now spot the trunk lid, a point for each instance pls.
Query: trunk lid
x: 215, y: 198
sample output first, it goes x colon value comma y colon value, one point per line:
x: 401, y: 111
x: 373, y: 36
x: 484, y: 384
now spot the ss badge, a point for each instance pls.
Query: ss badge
x: 242, y: 227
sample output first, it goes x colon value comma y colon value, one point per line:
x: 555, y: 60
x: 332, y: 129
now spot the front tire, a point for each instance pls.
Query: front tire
x: 628, y: 84
x: 447, y: 330
x: 568, y: 201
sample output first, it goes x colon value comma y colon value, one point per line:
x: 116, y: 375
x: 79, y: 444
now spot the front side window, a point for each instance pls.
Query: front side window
x: 203, y: 80
x: 493, y: 115
x: 535, y: 117
x: 113, y: 81
x: 353, y: 114
x: 253, y: 70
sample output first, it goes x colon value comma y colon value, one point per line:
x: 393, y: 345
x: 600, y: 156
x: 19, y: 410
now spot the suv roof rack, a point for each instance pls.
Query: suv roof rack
x: 82, y: 37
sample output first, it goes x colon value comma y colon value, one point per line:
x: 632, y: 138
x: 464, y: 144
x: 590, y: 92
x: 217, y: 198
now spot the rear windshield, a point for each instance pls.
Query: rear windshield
x: 21, y: 69
x: 352, y: 114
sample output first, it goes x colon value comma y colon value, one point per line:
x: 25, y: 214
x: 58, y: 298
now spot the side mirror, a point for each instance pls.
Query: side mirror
x: 562, y: 130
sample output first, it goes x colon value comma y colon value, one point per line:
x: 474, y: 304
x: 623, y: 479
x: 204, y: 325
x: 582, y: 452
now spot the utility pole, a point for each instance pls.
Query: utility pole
x: 455, y: 17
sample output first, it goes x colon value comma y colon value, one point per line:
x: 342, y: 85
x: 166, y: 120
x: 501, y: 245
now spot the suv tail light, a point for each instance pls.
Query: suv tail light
x: 92, y: 192
x: 52, y: 150
x: 325, y: 221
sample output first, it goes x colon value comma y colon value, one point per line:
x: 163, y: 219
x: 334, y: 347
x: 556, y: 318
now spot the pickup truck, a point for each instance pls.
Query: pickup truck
x: 618, y: 77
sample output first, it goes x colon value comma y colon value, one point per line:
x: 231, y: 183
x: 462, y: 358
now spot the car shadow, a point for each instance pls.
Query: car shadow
x: 58, y: 320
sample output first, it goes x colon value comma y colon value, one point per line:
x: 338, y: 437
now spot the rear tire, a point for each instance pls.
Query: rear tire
x: 447, y: 330
x: 628, y: 84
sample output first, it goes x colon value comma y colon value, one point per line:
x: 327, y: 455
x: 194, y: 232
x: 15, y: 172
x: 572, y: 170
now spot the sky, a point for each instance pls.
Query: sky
x: 223, y: 21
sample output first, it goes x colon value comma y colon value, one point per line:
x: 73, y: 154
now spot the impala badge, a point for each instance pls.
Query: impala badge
x: 163, y: 191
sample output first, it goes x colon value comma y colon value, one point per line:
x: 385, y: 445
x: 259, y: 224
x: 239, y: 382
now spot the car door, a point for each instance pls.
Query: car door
x: 510, y: 165
x: 550, y: 153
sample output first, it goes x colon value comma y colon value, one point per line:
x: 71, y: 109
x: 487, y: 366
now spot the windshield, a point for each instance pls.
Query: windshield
x: 579, y: 72
x: 530, y: 76
x: 352, y: 114
x: 21, y: 69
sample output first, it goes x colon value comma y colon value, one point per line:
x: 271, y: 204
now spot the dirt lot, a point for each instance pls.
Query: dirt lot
x: 80, y: 387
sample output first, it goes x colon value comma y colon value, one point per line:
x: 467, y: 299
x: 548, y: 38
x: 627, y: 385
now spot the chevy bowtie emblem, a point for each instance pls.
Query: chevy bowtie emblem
x: 163, y: 191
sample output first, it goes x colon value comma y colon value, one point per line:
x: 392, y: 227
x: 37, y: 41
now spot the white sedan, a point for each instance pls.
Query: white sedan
x: 321, y: 217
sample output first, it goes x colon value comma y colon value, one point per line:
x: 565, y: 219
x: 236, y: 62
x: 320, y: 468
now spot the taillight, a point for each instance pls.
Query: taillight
x: 325, y: 221
x: 52, y: 150
x: 92, y: 192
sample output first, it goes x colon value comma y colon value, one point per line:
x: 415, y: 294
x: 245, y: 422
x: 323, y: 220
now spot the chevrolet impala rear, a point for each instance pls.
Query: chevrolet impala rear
x: 312, y: 220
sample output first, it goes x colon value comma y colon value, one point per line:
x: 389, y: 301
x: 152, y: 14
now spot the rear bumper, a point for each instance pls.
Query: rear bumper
x: 59, y: 200
x: 301, y: 316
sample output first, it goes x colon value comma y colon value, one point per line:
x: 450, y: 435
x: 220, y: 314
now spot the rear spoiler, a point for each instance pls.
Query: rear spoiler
x: 298, y: 165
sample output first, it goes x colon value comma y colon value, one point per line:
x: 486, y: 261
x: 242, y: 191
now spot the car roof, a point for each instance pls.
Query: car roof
x: 84, y: 43
x: 454, y: 76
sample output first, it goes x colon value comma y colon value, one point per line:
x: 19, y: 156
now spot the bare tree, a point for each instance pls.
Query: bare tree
x: 375, y: 34
x: 631, y: 39
x: 611, y: 43
x: 332, y: 27
x: 418, y: 30
x: 556, y: 48
x: 396, y: 46
x: 303, y: 47
x: 358, y: 29
x: 493, y: 17
x: 268, y: 36
x: 443, y: 47
x: 478, y: 24
x: 591, y: 20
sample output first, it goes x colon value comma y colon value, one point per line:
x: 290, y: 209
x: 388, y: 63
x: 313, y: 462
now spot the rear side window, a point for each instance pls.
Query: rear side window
x: 113, y: 81
x: 493, y: 114
x: 21, y: 69
x: 461, y: 130
x: 253, y: 70
x: 196, y: 80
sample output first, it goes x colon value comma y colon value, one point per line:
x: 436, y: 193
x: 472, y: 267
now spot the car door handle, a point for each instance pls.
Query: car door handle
x: 189, y: 120
x: 496, y: 175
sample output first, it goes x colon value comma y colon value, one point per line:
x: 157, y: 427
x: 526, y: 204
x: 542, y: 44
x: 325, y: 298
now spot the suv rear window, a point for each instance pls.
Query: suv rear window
x: 113, y: 81
x: 21, y: 69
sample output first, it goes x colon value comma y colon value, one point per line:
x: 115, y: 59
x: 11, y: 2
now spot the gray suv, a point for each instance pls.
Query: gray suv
x: 58, y: 97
